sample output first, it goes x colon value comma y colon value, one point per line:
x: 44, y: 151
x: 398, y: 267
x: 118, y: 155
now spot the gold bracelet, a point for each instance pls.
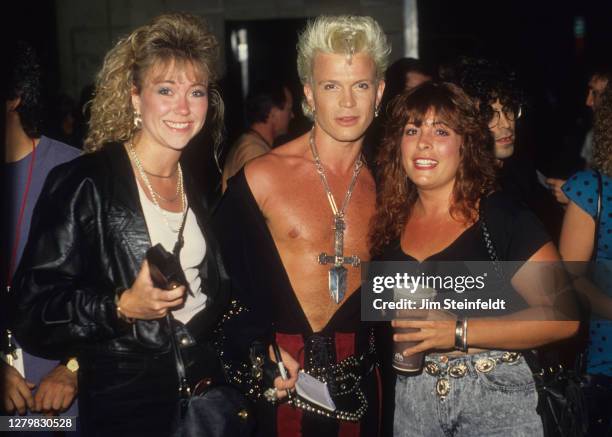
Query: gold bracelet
x: 120, y: 314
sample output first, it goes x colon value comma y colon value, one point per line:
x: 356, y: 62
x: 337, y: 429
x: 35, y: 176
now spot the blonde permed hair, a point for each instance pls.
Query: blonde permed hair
x: 178, y: 37
x: 343, y: 34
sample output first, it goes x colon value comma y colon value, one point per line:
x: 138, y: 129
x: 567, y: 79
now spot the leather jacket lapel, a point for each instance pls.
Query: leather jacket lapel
x: 124, y: 204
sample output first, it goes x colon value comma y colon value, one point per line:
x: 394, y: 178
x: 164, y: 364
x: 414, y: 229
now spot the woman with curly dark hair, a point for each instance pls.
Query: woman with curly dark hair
x: 436, y: 196
x: 587, y: 236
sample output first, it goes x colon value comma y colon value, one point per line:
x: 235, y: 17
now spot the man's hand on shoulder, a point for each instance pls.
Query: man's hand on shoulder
x: 17, y: 392
x: 56, y: 391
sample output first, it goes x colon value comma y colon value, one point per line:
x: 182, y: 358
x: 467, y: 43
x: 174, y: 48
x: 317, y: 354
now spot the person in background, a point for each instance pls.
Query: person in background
x: 581, y: 241
x: 43, y: 386
x: 501, y: 103
x: 268, y: 111
x: 595, y: 88
x: 64, y: 120
x: 403, y: 74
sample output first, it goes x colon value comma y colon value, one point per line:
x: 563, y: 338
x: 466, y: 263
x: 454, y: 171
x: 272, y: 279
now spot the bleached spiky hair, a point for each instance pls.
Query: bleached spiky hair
x: 343, y: 34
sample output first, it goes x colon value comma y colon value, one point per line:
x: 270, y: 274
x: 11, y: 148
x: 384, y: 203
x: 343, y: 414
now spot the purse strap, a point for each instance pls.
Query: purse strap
x: 532, y: 357
x: 488, y: 240
x: 597, y: 215
x: 184, y: 389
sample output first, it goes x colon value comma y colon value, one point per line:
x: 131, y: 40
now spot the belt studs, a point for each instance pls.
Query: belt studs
x: 510, y: 357
x: 442, y: 387
x: 458, y: 371
x: 441, y: 371
x: 485, y: 365
x: 432, y: 368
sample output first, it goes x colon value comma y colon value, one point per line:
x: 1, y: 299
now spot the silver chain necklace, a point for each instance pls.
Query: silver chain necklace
x: 154, y: 195
x: 337, y: 272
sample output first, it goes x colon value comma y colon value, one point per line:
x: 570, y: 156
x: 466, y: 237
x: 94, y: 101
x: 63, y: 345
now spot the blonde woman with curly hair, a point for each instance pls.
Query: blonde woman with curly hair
x: 84, y: 287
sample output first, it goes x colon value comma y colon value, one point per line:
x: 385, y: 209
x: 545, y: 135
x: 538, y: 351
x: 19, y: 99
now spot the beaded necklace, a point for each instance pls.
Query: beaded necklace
x: 154, y: 195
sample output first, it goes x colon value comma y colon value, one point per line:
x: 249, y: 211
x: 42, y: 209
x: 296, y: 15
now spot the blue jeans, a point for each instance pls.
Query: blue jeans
x: 498, y: 402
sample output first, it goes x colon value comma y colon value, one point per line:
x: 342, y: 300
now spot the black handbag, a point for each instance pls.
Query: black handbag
x: 218, y: 411
x: 561, y: 400
x: 209, y: 409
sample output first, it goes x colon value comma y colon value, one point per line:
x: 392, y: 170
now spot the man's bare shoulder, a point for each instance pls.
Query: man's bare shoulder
x: 265, y: 173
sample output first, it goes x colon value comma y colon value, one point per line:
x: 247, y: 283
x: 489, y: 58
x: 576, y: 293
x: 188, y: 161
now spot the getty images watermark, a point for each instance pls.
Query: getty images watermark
x: 473, y: 288
x: 412, y: 292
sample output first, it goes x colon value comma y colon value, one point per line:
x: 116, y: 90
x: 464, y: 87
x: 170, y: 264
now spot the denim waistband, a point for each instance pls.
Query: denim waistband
x: 497, y: 355
x: 442, y: 367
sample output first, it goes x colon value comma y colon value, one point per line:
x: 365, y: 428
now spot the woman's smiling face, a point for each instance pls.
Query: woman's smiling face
x: 173, y: 102
x: 431, y: 152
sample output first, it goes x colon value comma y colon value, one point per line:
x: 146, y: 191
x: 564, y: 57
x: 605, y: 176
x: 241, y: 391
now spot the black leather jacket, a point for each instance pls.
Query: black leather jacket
x: 89, y: 239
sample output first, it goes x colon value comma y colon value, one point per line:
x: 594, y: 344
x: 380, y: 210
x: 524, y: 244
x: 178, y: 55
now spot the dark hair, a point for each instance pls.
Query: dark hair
x: 24, y: 82
x: 601, y: 70
x: 395, y: 76
x: 265, y: 95
x: 475, y: 175
x: 486, y: 81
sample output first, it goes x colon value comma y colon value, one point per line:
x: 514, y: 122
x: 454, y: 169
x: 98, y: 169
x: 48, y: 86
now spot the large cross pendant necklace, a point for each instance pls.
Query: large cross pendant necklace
x: 337, y: 272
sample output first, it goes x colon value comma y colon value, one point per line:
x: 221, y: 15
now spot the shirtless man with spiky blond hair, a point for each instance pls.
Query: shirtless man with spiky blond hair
x: 293, y: 227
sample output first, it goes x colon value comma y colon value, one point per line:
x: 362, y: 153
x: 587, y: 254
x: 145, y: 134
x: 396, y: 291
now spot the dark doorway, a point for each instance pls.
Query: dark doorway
x: 270, y: 49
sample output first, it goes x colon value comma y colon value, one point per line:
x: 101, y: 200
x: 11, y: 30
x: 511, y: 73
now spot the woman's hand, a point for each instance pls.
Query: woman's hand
x: 436, y: 333
x: 146, y: 302
x: 292, y: 366
x: 554, y: 185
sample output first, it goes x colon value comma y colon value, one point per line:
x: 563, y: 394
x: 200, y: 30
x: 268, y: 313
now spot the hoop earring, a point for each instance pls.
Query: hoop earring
x: 137, y: 120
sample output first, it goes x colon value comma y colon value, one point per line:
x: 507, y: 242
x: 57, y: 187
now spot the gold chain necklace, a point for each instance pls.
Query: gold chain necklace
x: 154, y: 195
x: 166, y: 199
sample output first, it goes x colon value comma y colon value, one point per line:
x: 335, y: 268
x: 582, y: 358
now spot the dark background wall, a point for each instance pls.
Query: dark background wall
x: 535, y: 36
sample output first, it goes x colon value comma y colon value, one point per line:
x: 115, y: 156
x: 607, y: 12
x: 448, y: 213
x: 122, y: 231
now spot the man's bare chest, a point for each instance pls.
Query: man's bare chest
x: 305, y: 220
